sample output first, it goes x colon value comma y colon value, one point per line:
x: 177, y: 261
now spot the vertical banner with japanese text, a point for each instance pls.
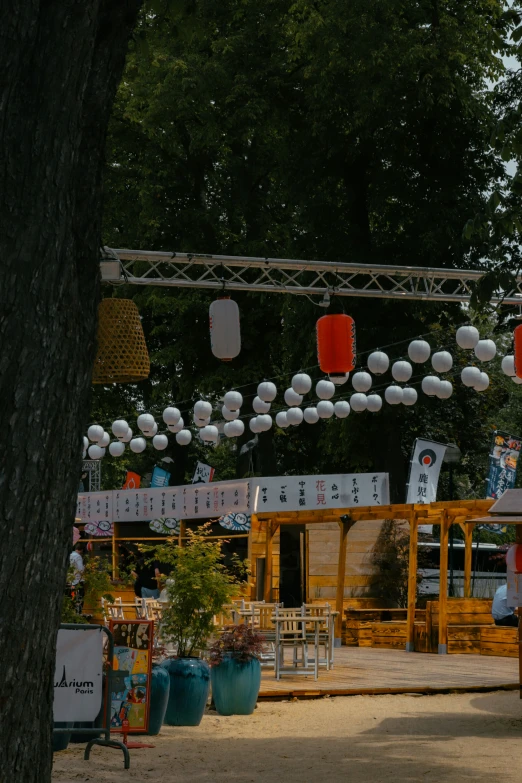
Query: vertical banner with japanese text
x: 503, y: 460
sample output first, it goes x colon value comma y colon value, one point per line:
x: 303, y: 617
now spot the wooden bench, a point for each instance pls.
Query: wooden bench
x: 498, y: 640
x: 465, y: 617
x: 358, y: 624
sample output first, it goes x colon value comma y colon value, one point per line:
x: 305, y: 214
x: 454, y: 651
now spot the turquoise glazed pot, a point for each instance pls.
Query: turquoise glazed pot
x: 189, y: 687
x: 159, y: 698
x: 235, y: 685
x: 61, y: 741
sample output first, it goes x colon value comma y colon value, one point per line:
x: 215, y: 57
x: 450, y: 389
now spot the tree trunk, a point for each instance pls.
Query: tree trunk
x: 60, y: 61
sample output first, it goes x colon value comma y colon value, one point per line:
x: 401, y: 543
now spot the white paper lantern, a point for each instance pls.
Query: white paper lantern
x: 508, y: 365
x: 84, y: 454
x: 445, y: 390
x: 202, y: 409
x: 470, y: 376
x: 431, y: 385
x: 184, y: 437
x: 362, y: 381
x: 201, y: 422
x: 281, y: 420
x: 373, y: 403
x: 402, y: 371
x: 171, y: 415
x: 96, y: 452
x: 233, y: 429
x: 264, y: 422
x: 294, y: 416
x: 483, y: 383
x: 339, y: 380
x: 325, y: 409
x: 137, y: 445
x: 177, y: 427
x: 119, y: 428
x: 254, y: 425
x: 160, y: 442
x: 116, y: 448
x: 146, y: 422
x: 229, y: 415
x: 393, y: 394
x: 104, y: 440
x: 210, y: 434
x: 419, y: 351
x: 260, y: 406
x: 233, y: 400
x: 301, y: 383
x: 152, y: 432
x: 341, y: 409
x: 292, y: 398
x: 442, y: 361
x: 485, y: 350
x: 95, y: 433
x: 378, y: 362
x: 358, y: 402
x: 467, y: 337
x: 409, y: 396
x: 85, y: 443
x: 267, y: 391
x: 516, y: 380
x: 310, y: 415
x: 225, y: 331
x: 127, y: 437
x: 325, y: 390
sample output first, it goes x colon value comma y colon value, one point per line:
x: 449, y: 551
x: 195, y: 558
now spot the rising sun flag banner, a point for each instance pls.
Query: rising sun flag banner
x: 425, y: 465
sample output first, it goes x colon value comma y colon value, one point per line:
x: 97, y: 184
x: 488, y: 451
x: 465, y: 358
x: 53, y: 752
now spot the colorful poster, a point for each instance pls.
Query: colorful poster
x: 160, y: 477
x: 131, y: 674
x: 133, y: 481
x: 503, y: 460
x: 203, y: 474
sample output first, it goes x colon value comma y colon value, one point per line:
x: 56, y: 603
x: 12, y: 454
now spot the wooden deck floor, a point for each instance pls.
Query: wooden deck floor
x: 363, y: 670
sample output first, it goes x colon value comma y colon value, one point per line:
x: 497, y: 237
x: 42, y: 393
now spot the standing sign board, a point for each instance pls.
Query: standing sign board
x: 78, y: 675
x: 131, y: 674
x: 425, y: 465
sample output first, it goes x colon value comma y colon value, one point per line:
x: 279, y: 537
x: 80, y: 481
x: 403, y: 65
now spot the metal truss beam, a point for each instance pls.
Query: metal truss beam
x: 291, y: 276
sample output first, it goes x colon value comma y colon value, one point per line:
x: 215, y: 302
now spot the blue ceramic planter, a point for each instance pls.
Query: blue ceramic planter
x: 61, y: 741
x: 189, y: 687
x: 159, y: 698
x: 235, y: 685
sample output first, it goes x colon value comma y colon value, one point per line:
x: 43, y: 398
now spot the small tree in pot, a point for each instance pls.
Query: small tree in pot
x: 236, y: 670
x: 198, y: 588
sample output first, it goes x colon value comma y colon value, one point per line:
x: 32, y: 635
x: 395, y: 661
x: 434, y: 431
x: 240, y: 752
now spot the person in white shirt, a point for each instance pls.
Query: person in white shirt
x: 502, y: 613
x: 77, y: 590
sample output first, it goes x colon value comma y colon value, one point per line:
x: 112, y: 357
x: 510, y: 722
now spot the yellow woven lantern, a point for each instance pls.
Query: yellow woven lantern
x: 122, y: 355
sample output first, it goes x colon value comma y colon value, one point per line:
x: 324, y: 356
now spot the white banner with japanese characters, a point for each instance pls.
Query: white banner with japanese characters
x: 203, y: 501
x: 425, y: 466
x: 304, y: 493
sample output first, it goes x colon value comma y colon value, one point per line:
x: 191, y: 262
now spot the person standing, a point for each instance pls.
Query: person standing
x: 77, y: 586
x: 502, y: 613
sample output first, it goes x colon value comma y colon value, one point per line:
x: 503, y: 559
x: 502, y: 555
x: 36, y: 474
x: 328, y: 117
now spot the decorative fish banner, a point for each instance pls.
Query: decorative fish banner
x: 168, y: 526
x: 101, y: 529
x: 236, y: 521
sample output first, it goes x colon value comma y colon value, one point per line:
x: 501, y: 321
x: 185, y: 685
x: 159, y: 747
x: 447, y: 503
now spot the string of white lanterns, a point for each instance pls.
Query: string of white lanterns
x: 378, y: 363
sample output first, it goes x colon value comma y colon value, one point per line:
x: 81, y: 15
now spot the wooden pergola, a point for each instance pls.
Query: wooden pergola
x: 464, y: 513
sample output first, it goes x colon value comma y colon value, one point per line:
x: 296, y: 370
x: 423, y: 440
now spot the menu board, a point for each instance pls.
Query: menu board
x: 130, y: 681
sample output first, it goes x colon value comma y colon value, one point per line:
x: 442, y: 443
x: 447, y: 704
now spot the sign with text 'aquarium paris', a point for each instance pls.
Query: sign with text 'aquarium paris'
x: 252, y: 496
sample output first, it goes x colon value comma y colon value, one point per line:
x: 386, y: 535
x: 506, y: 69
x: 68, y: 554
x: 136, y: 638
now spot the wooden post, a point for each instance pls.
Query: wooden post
x: 445, y: 522
x: 468, y: 558
x: 345, y: 525
x: 271, y: 529
x: 182, y: 532
x: 412, y: 583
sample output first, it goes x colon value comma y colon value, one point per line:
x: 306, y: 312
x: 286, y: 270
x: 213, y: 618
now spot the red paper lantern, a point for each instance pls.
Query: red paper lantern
x: 336, y: 344
x: 517, y: 340
x: 514, y: 557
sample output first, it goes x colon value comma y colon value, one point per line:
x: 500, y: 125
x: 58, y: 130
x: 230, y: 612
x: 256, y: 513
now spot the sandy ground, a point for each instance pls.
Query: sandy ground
x: 454, y: 738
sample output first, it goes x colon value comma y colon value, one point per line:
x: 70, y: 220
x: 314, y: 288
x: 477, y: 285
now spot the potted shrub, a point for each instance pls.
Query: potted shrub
x: 199, y: 587
x: 235, y: 670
